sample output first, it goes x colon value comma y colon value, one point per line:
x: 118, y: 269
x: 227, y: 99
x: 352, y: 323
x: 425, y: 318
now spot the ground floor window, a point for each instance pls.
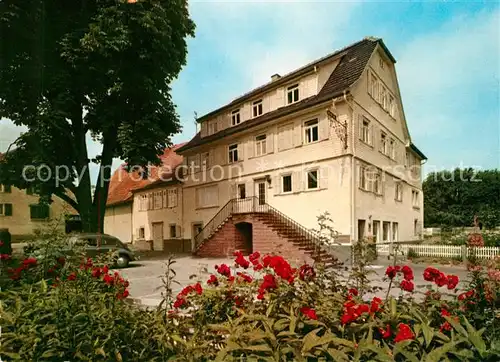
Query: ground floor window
x: 385, y: 231
x: 395, y: 231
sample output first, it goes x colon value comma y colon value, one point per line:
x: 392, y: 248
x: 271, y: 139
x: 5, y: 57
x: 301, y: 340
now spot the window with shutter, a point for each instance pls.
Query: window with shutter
x: 5, y: 209
x: 2, y: 212
x: 285, y: 137
x: 260, y: 145
x: 311, y: 132
x: 39, y: 212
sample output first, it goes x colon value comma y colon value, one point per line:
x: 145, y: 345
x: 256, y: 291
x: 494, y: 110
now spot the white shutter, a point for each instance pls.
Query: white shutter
x: 250, y: 148
x: 297, y: 183
x: 249, y: 188
x: 324, y: 128
x: 360, y: 126
x: 372, y: 135
x: 178, y: 231
x: 233, y: 190
x: 225, y: 121
x: 280, y: 97
x: 277, y: 185
x: 270, y: 142
x: 241, y: 151
x: 204, y: 129
x: 323, y: 178
x: 297, y: 135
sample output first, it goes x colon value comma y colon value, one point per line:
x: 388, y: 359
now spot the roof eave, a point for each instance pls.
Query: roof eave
x: 417, y: 151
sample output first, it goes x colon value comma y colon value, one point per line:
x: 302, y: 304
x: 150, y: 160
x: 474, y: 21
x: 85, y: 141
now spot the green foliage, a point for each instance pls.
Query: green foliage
x: 412, y: 253
x: 6, y: 242
x: 262, y: 309
x: 96, y: 68
x: 452, y: 198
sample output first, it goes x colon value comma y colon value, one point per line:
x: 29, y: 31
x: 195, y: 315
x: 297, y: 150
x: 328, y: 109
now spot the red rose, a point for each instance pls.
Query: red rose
x: 391, y: 272
x: 247, y: 278
x: 224, y: 270
x: 306, y: 272
x: 240, y: 260
x: 407, y: 285
x: 96, y: 272
x: 309, y: 313
x: 72, y: 276
x: 407, y: 272
x: 179, y: 302
x: 445, y: 313
x: 404, y: 333
x: 452, y: 281
x: 441, y: 280
x: 108, y: 279
x: 29, y: 262
x: 213, y: 280
x: 5, y: 256
x: 375, y: 305
x: 353, y: 291
x: 386, y: 333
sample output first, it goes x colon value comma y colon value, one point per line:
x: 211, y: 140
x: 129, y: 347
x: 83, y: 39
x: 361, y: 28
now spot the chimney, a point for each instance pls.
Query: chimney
x: 275, y: 77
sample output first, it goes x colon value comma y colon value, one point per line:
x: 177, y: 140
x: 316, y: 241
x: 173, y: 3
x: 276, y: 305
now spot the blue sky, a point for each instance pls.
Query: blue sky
x: 448, y: 64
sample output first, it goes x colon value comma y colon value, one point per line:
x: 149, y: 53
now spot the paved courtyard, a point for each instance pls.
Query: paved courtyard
x: 145, y: 275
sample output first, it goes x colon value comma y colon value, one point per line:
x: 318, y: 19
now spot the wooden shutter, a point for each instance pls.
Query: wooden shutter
x: 233, y: 190
x: 269, y: 142
x: 360, y: 126
x: 297, y: 183
x: 7, y: 209
x: 204, y: 129
x: 241, y: 151
x: 211, y: 158
x: 280, y: 98
x: 178, y: 231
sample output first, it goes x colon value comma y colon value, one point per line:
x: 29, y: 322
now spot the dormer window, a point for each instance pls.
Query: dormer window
x: 257, y: 108
x: 235, y: 117
x: 212, y: 127
x: 293, y: 94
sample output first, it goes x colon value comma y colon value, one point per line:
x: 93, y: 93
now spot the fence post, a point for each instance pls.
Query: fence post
x: 464, y: 253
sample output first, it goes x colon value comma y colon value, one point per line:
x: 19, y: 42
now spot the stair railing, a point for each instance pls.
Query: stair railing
x: 214, y: 223
x: 252, y: 205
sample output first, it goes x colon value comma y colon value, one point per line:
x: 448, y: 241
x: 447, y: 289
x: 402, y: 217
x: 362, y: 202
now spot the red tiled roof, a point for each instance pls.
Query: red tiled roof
x: 123, y: 184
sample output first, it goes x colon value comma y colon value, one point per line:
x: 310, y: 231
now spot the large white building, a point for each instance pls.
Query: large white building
x: 331, y: 136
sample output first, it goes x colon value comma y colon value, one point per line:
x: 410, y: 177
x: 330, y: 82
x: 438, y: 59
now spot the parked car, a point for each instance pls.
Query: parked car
x: 96, y: 244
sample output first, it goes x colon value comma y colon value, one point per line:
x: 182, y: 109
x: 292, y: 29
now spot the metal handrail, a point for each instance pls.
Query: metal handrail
x: 253, y: 204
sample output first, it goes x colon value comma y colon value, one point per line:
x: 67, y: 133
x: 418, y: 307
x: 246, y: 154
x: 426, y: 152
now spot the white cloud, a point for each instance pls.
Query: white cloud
x: 8, y: 133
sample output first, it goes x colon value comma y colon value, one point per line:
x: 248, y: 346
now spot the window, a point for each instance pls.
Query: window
x: 173, y: 231
x: 207, y: 196
x: 285, y: 137
x: 392, y: 106
x: 384, y: 101
x: 143, y: 202
x: 260, y: 145
x: 377, y: 184
x: 257, y: 108
x: 363, y: 182
x: 233, y: 153
x: 365, y: 131
x: 395, y: 231
x: 150, y: 201
x: 142, y: 233
x: 374, y: 86
x: 415, y: 227
x: 311, y: 131
x: 235, y: 117
x: 212, y: 127
x: 383, y: 143
x: 158, y: 199
x: 385, y: 231
x: 5, y: 188
x: 242, y: 194
x: 286, y: 183
x: 293, y: 94
x: 398, y: 191
x: 392, y: 149
x: 381, y: 63
x: 31, y: 190
x: 172, y: 198
x: 312, y: 180
x: 407, y: 159
x: 5, y: 209
x: 39, y: 211
x: 204, y: 160
x: 415, y: 197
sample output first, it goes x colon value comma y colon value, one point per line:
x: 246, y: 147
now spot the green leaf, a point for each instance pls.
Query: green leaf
x: 338, y: 356
x: 475, y: 338
x: 428, y: 334
x: 438, y: 353
x: 259, y: 348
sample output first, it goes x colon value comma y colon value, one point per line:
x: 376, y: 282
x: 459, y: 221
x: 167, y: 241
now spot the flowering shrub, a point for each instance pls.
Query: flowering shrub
x: 5, y: 244
x: 260, y: 308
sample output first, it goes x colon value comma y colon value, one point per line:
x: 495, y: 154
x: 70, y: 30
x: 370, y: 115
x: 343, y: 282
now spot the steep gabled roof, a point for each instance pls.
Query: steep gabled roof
x: 353, y: 60
x: 123, y: 184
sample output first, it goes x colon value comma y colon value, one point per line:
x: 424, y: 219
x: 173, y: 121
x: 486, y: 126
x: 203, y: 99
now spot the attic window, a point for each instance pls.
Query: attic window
x: 293, y: 94
x: 235, y: 117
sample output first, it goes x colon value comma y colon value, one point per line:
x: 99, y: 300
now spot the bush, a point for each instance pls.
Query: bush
x: 262, y: 308
x: 5, y: 242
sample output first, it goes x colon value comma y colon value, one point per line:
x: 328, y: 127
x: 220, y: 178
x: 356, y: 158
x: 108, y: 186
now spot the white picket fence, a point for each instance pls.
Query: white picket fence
x: 443, y: 251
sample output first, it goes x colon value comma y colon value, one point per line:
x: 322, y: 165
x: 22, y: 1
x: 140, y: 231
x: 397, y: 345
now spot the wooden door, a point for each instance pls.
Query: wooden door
x: 158, y: 235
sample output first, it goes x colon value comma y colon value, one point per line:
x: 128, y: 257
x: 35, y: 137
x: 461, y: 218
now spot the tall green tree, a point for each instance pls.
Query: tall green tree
x: 453, y: 198
x: 80, y: 68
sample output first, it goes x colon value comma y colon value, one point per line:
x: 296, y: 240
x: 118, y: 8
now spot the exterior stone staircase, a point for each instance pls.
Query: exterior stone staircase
x: 271, y: 231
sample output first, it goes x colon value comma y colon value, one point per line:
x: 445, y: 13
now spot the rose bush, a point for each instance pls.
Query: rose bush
x: 260, y: 308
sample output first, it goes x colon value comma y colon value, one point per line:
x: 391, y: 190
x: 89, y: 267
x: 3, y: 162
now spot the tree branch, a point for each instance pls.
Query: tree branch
x: 67, y: 199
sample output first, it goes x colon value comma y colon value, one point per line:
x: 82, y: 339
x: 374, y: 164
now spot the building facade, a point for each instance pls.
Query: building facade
x: 22, y: 215
x: 329, y: 137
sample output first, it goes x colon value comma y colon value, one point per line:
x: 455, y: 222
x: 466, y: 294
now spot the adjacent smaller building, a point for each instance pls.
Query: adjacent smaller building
x: 22, y: 214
